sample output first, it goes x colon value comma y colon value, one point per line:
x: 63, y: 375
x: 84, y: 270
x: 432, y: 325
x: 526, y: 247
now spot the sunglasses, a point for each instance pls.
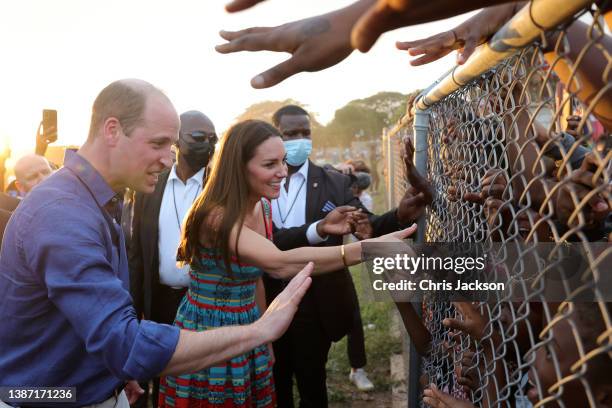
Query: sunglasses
x: 297, y: 132
x: 199, y: 136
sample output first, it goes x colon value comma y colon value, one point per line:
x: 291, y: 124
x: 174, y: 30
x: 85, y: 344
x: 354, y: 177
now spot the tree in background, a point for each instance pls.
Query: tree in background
x: 364, y: 119
x: 360, y: 119
x: 264, y: 111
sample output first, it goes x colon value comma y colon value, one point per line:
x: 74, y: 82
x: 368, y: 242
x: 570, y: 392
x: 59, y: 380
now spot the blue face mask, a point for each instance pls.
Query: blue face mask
x: 298, y: 151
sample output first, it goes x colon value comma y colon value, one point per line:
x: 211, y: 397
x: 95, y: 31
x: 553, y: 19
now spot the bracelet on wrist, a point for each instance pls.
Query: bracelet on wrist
x: 343, y: 253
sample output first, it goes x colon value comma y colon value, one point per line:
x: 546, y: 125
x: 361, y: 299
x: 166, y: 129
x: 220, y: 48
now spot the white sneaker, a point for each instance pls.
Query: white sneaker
x: 361, y: 380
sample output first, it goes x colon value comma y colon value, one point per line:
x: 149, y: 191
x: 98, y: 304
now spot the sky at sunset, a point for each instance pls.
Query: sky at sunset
x: 59, y: 54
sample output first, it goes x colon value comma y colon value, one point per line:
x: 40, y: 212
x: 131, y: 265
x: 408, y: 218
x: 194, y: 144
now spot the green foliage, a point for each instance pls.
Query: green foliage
x: 360, y: 119
x: 265, y: 110
x: 364, y: 119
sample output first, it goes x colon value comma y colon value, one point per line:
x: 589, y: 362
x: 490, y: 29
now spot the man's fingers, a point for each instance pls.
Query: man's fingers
x: 406, y: 232
x: 473, y: 197
x: 492, y: 178
x: 276, y: 74
x: 299, y: 279
x: 232, y: 35
x: 591, y: 163
x: 239, y: 5
x: 465, y: 308
x: 455, y: 324
x: 425, y: 49
x: 427, y: 58
x: 299, y: 293
x: 467, y: 51
x: 494, y: 190
x: 585, y: 178
x: 296, y: 289
x: 360, y: 235
x: 360, y: 217
x: 414, y: 201
x: 432, y: 402
x: 446, y: 399
x: 248, y: 42
x: 407, y: 45
x: 370, y: 26
x: 345, y: 209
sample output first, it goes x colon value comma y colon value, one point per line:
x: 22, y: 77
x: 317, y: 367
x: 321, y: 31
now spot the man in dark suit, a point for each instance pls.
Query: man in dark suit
x: 157, y: 285
x: 326, y: 313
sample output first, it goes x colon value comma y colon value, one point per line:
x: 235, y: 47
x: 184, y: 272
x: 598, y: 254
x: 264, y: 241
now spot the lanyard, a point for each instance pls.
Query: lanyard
x: 292, y: 204
x: 178, y: 219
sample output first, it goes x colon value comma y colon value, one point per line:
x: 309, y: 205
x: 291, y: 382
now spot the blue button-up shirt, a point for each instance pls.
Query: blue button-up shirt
x: 66, y: 315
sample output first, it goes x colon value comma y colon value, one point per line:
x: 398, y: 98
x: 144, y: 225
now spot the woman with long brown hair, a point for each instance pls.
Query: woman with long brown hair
x: 227, y: 242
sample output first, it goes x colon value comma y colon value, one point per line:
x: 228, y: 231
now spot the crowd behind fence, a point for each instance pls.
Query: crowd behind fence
x: 517, y: 155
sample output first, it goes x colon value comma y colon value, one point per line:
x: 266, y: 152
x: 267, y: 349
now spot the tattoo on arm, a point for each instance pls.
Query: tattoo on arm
x: 314, y: 27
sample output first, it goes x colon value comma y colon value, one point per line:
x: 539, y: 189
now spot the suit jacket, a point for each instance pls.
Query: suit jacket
x: 333, y: 294
x: 144, y: 250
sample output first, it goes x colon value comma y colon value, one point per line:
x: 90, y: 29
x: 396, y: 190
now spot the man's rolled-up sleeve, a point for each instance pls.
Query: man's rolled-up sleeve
x: 69, y: 254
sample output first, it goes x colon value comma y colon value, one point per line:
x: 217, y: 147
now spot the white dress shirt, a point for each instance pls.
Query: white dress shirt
x: 289, y: 209
x: 176, y: 201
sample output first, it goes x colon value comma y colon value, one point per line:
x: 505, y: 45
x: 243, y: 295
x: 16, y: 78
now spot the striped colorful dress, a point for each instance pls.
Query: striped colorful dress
x: 215, y: 299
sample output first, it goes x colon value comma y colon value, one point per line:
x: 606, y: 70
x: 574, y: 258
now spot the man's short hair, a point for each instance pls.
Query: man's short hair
x: 287, y: 110
x: 124, y: 100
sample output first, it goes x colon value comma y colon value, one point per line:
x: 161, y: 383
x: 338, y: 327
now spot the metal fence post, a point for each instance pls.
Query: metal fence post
x: 421, y: 128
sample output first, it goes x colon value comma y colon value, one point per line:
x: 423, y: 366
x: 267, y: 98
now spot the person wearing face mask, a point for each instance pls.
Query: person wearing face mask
x: 326, y: 314
x: 156, y: 283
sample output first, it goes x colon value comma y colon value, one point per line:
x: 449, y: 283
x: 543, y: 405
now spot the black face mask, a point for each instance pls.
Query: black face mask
x: 196, y: 155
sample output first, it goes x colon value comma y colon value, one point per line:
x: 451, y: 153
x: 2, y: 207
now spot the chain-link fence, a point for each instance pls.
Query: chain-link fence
x: 518, y: 150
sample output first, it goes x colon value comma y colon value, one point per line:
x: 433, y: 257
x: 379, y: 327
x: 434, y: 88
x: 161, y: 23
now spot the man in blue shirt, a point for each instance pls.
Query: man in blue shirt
x: 66, y: 312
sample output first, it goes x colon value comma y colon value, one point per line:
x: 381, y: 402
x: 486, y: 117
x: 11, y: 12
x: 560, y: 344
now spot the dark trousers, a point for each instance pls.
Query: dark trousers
x: 355, y: 345
x: 163, y: 310
x: 302, y: 351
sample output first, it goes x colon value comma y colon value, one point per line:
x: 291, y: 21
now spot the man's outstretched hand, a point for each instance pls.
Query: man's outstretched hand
x: 279, y: 313
x: 339, y: 221
x: 314, y: 43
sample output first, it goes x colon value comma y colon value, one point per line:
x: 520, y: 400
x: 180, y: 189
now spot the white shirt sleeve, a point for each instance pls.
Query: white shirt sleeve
x: 312, y: 236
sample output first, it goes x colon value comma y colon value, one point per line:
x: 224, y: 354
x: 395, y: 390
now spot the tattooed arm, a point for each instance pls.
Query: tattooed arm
x: 314, y: 43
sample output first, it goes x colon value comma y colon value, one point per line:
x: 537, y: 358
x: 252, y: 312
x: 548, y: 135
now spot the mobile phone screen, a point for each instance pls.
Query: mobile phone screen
x: 50, y: 125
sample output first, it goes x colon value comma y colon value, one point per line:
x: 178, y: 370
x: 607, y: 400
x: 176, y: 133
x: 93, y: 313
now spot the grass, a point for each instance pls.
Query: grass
x: 379, y: 347
x: 376, y: 318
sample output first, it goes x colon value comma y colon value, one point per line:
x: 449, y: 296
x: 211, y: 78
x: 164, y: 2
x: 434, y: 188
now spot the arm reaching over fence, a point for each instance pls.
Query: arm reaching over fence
x: 315, y: 43
x: 387, y: 15
x: 464, y: 38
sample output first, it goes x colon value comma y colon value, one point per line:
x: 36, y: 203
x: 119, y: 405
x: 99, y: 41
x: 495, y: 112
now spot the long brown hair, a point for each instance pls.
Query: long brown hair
x: 227, y: 188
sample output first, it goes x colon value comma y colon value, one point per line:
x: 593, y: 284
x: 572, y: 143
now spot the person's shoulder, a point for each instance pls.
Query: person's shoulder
x: 61, y: 195
x: 333, y: 175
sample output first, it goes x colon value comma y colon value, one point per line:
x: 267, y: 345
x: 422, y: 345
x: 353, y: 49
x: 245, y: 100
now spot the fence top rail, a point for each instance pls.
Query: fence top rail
x: 525, y: 27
